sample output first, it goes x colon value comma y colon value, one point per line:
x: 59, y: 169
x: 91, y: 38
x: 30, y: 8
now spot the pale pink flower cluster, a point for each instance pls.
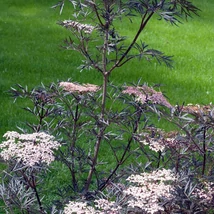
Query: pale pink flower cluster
x: 29, y: 149
x: 154, y: 138
x: 145, y: 94
x: 74, y: 87
x: 206, y: 194
x: 74, y: 207
x: 149, y: 189
x: 161, y: 143
x: 159, y: 140
x: 86, y: 28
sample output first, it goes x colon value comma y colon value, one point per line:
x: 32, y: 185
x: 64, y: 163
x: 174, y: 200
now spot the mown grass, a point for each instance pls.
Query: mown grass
x: 30, y: 53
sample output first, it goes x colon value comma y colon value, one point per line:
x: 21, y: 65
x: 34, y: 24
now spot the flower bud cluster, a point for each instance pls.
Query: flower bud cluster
x: 86, y: 28
x: 74, y: 87
x: 201, y: 112
x: 145, y: 94
x: 28, y: 149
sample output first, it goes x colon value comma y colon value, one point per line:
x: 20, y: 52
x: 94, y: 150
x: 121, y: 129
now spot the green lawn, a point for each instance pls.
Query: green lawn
x: 30, y: 53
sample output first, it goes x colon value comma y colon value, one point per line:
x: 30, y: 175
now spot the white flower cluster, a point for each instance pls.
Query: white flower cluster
x: 149, y: 189
x: 78, y: 208
x: 107, y: 206
x: 86, y: 28
x: 30, y: 149
x: 146, y: 194
x: 102, y: 206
